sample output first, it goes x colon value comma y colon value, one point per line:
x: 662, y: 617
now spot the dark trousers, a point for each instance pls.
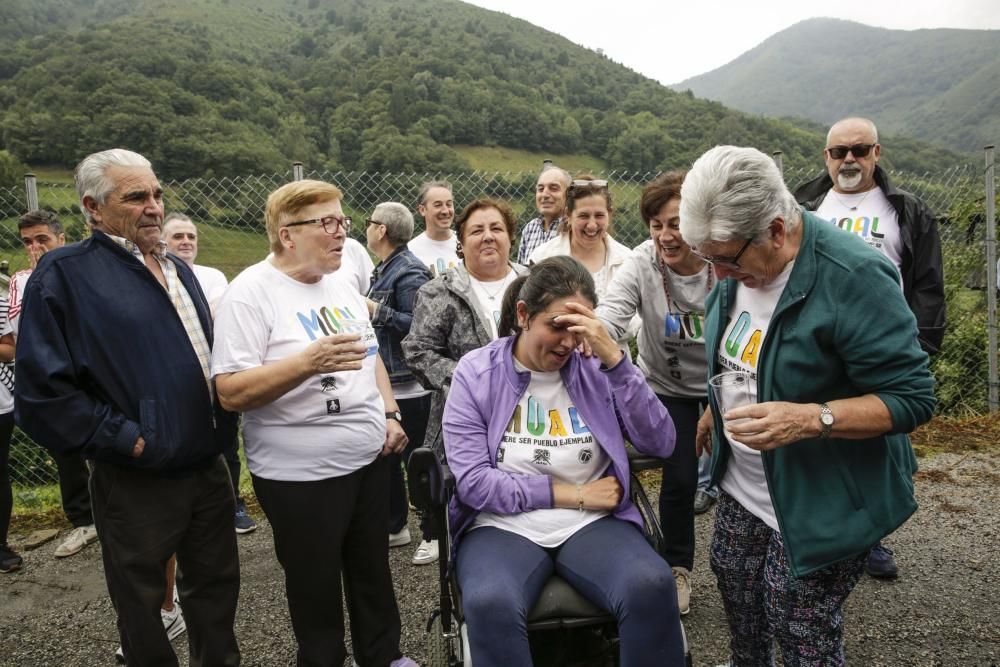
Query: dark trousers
x: 232, y: 456
x: 764, y: 602
x: 609, y: 562
x: 74, y: 478
x: 325, y: 530
x: 679, y: 483
x: 6, y: 494
x: 143, y: 519
x: 415, y: 412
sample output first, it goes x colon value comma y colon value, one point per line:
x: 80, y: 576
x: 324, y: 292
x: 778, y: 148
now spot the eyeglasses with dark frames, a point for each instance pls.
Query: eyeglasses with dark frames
x: 730, y: 263
x: 857, y: 150
x: 330, y: 223
x: 369, y: 221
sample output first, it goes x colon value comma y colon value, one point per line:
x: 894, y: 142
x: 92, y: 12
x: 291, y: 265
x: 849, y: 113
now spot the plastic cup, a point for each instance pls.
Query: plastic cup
x: 731, y: 390
x: 363, y: 328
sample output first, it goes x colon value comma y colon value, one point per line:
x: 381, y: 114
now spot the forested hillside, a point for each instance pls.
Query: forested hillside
x: 224, y: 87
x: 941, y: 85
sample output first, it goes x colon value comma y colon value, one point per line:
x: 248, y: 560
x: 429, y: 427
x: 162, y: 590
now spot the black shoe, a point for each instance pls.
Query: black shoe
x: 880, y: 563
x: 10, y: 561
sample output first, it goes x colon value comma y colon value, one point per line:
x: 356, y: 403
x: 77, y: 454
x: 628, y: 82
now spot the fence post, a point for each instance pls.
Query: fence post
x: 778, y: 161
x: 991, y: 274
x: 31, y: 191
x: 297, y: 174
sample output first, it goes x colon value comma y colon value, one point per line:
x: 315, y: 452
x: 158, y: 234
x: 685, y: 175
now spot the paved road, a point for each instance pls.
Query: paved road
x: 942, y: 611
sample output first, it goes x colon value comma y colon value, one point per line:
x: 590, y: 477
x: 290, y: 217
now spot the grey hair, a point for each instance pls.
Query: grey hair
x: 734, y: 193
x: 428, y: 186
x: 856, y: 119
x: 566, y: 176
x: 175, y: 217
x: 91, y: 174
x: 398, y: 222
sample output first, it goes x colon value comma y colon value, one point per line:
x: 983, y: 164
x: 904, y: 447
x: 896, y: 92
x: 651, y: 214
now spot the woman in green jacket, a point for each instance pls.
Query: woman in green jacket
x: 815, y: 470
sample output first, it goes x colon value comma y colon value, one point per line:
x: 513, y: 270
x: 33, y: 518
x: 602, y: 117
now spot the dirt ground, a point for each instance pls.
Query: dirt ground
x: 941, y: 611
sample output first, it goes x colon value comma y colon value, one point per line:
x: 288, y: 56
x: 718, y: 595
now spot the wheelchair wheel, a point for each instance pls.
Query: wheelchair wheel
x: 441, y: 650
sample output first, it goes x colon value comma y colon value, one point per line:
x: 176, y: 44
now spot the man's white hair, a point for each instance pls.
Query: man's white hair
x: 91, y: 174
x: 854, y: 119
x: 733, y: 193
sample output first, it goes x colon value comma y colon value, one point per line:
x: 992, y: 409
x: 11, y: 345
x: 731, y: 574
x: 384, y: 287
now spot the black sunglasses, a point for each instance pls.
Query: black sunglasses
x: 857, y: 150
x: 730, y: 263
x: 330, y: 223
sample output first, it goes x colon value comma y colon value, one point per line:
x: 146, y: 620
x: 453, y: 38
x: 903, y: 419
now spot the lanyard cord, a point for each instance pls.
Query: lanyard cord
x: 666, y: 288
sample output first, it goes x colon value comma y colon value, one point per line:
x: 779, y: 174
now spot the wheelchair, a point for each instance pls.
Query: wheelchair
x: 564, y: 628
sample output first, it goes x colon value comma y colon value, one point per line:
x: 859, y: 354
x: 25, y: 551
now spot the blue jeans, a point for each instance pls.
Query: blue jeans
x: 705, y: 475
x: 608, y: 561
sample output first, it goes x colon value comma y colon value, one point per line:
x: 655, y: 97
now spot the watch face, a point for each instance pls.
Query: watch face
x: 826, y: 418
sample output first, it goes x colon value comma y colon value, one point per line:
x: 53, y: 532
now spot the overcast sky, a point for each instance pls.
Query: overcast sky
x: 671, y: 40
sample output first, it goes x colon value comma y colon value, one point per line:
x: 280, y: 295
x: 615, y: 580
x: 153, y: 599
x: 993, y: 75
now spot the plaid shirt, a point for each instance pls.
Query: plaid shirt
x: 182, y: 303
x: 533, y: 235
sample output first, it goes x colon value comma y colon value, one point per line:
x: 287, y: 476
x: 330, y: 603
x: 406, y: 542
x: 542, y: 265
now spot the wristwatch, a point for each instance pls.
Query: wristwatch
x: 394, y: 415
x: 825, y: 420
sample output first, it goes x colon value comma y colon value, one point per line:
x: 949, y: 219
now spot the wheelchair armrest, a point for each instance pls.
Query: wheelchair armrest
x: 430, y: 480
x: 638, y: 461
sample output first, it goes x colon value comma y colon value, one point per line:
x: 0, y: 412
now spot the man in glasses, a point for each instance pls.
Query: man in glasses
x: 856, y: 195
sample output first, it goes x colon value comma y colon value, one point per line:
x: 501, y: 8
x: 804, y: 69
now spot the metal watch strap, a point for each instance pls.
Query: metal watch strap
x: 826, y: 425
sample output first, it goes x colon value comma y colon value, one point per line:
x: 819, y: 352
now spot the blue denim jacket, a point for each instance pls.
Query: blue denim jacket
x: 394, y: 288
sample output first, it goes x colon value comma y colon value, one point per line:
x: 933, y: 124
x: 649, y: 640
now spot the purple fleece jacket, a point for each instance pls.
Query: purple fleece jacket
x: 485, y: 389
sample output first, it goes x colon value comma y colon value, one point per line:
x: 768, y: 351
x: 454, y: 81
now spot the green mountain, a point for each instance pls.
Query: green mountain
x: 225, y: 87
x: 939, y: 85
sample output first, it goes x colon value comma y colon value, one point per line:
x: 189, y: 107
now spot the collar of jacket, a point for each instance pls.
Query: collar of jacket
x: 811, y: 193
x: 800, y: 283
x: 384, y: 264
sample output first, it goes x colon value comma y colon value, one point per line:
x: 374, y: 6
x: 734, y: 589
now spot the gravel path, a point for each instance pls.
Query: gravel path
x: 941, y: 611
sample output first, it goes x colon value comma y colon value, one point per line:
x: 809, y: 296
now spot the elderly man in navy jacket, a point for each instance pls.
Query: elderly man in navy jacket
x: 113, y: 364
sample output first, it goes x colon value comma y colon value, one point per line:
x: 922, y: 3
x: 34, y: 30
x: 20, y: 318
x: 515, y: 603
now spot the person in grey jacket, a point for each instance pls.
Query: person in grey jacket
x: 667, y: 285
x: 459, y: 310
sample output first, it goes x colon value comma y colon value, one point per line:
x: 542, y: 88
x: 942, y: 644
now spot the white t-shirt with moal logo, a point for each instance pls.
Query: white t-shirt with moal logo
x: 547, y: 436
x: 333, y: 423
x: 869, y: 215
x: 740, y: 350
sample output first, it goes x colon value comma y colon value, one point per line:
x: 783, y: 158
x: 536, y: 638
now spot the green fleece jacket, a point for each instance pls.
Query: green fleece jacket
x: 841, y: 329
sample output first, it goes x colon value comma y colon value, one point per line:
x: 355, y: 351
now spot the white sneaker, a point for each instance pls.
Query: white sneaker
x: 426, y: 553
x: 173, y: 623
x: 77, y: 539
x: 400, y: 539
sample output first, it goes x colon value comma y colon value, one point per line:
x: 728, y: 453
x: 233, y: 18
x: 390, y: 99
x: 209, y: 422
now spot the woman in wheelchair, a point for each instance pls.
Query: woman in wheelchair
x: 534, y: 433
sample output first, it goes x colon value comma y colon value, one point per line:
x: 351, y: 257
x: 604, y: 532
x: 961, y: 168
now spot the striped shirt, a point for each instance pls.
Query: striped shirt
x: 182, y: 303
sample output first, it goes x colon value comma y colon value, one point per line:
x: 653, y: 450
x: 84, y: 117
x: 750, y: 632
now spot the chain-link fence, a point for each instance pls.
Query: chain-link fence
x: 229, y: 213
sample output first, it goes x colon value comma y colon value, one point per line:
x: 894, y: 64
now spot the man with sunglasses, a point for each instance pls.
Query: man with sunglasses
x: 856, y: 195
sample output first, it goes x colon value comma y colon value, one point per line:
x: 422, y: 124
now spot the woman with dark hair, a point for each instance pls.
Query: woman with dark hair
x: 586, y: 236
x: 459, y: 311
x: 667, y: 285
x: 533, y: 432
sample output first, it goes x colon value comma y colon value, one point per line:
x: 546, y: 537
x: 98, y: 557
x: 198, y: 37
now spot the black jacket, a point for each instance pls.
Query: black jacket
x: 103, y: 358
x: 923, y: 273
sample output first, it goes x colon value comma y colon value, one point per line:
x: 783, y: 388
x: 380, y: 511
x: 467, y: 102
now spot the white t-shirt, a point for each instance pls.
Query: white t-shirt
x: 489, y: 298
x: 330, y: 425
x: 439, y: 256
x: 17, y: 284
x: 740, y: 351
x: 356, y: 265
x: 213, y: 283
x: 547, y: 436
x: 6, y: 368
x: 868, y: 215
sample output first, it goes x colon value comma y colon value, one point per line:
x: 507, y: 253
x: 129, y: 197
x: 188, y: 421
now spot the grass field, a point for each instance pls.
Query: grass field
x: 513, y: 160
